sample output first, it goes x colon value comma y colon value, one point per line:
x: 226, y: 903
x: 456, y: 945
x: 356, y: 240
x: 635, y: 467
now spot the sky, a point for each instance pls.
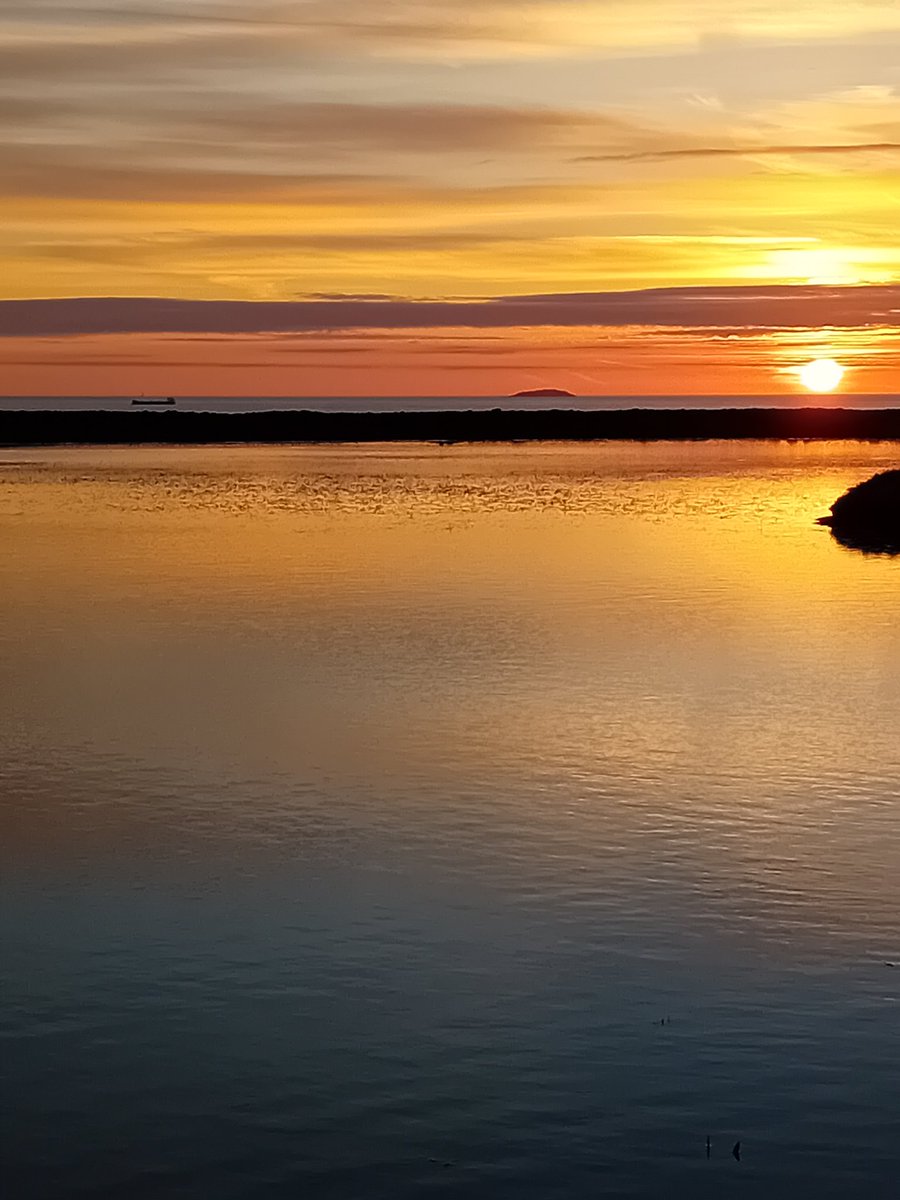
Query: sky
x: 341, y: 197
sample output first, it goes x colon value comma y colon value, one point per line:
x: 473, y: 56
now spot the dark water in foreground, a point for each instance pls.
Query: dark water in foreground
x: 366, y: 811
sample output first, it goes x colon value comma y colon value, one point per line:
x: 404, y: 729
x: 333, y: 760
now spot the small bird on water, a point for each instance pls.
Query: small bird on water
x: 708, y: 1146
x: 736, y: 1150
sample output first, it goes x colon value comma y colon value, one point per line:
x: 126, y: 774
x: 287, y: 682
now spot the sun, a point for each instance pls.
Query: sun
x: 821, y: 375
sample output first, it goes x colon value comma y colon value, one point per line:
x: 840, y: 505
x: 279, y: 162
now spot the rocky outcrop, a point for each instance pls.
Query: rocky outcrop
x: 867, y: 516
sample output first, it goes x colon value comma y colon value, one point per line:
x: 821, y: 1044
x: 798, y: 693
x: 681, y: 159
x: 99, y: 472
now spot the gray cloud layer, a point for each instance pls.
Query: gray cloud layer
x: 707, y: 308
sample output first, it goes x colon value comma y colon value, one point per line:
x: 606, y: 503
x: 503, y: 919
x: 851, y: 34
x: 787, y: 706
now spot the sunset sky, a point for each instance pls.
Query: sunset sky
x: 326, y: 197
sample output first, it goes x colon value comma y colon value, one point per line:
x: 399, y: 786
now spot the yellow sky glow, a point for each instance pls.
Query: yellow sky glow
x: 198, y: 151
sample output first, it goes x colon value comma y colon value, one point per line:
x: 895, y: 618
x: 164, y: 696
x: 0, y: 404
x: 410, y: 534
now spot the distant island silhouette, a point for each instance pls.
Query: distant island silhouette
x: 867, y: 516
x: 558, y: 392
x: 175, y: 426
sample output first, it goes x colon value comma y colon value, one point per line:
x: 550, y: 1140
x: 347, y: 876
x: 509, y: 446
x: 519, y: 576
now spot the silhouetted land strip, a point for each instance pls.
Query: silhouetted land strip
x: 169, y: 427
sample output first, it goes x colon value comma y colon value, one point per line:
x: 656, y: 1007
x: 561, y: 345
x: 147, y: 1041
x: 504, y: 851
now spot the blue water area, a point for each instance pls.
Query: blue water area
x: 410, y: 821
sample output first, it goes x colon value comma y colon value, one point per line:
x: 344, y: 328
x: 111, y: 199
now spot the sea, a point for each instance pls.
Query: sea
x: 492, y: 823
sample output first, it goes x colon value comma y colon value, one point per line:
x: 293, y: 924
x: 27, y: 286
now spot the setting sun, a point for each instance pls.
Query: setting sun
x: 821, y: 375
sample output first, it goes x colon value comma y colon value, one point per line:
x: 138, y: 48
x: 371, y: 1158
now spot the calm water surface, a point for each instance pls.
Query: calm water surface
x: 365, y: 811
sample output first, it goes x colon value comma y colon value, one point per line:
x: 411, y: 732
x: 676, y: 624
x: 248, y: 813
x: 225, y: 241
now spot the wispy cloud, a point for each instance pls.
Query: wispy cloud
x: 72, y: 172
x: 429, y: 29
x: 664, y: 154
x: 406, y: 127
x: 511, y: 22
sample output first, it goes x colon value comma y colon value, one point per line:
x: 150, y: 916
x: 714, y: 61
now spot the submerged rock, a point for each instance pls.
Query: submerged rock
x: 867, y: 516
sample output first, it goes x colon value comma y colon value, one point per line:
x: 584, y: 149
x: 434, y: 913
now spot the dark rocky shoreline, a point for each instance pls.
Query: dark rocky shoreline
x: 171, y: 427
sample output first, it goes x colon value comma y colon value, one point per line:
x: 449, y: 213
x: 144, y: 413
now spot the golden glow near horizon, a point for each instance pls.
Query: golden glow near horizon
x: 821, y: 375
x: 194, y: 151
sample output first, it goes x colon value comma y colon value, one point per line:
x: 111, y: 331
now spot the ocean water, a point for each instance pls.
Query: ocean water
x: 443, y: 821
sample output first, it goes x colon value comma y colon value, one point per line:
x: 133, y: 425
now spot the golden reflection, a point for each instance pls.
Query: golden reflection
x: 610, y: 641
